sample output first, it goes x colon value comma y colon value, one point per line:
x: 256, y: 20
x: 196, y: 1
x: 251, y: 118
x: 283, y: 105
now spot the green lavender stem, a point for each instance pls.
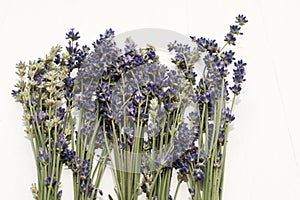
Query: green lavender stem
x: 224, y: 153
x: 177, y: 189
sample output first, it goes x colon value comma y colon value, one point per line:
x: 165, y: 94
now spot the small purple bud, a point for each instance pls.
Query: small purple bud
x: 41, y: 150
x: 41, y: 115
x: 61, y: 137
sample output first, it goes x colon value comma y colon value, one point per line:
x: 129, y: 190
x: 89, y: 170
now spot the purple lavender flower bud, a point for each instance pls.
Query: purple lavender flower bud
x: 82, y: 187
x: 236, y: 89
x: 15, y: 93
x: 227, y: 116
x: 200, y: 165
x: 138, y: 99
x: 38, y: 78
x: 222, y: 69
x: 191, y: 76
x: 103, y: 93
x: 41, y: 115
x: 41, y: 150
x: 69, y: 82
x: 204, y: 98
x: 43, y: 158
x: 122, y: 144
x: 67, y: 156
x: 192, y: 192
x: 61, y: 137
x: 198, y: 174
x: 218, y: 161
x: 169, y: 108
x: 205, y: 44
x: 72, y: 35
x: 48, y: 181
x: 57, y: 59
x: 239, y: 72
x: 241, y: 20
x: 184, y: 170
x: 61, y: 113
x: 150, y: 55
x: 235, y: 30
x: 230, y: 39
x: 59, y: 194
x: 221, y: 138
x: 227, y: 57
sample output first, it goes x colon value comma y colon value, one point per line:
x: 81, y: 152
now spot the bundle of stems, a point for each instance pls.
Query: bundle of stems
x: 85, y: 109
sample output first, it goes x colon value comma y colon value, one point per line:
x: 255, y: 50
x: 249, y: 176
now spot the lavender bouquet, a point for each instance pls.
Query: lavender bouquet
x: 86, y: 109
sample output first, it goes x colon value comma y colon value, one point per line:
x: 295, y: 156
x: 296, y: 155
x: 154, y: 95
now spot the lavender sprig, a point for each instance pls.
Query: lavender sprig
x: 212, y: 95
x: 40, y: 90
